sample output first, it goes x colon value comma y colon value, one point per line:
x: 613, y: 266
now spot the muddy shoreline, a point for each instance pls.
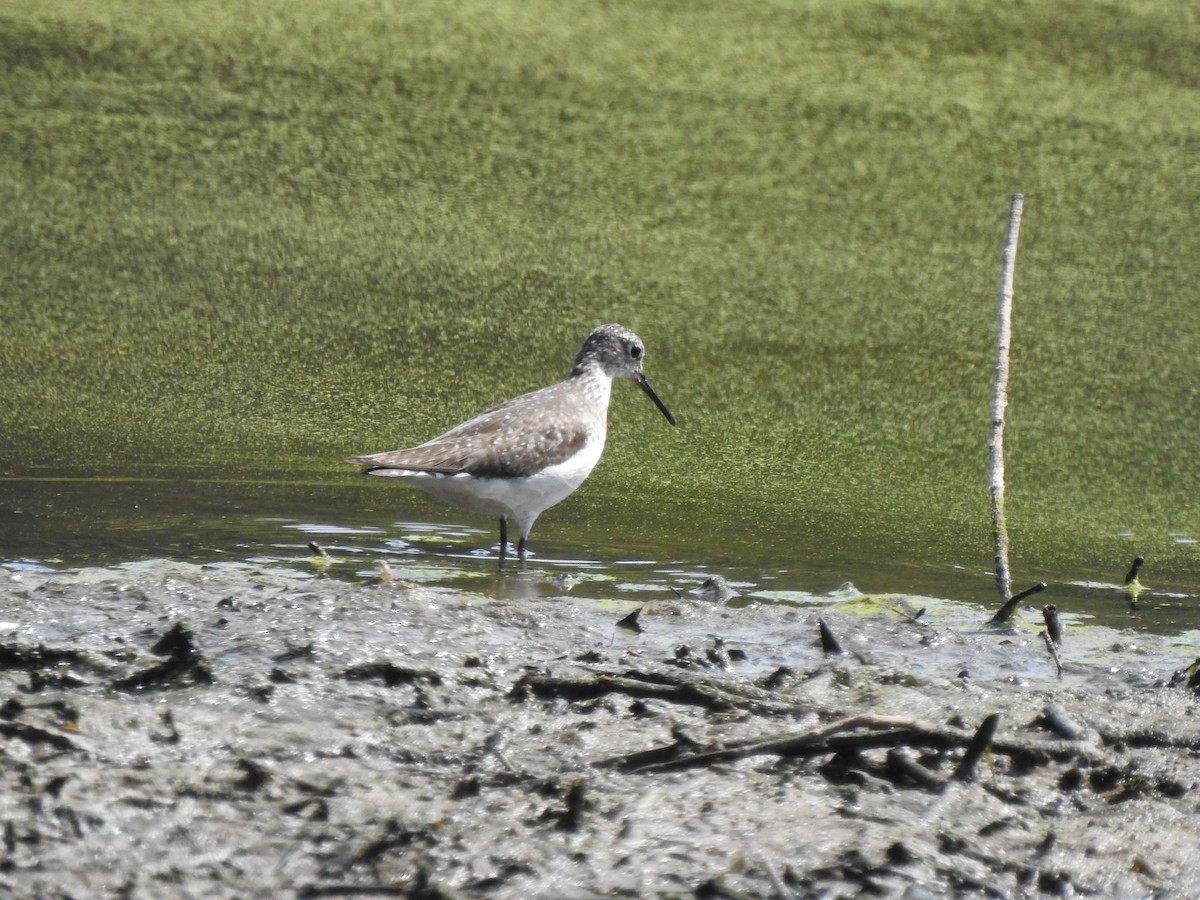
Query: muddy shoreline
x: 173, y: 730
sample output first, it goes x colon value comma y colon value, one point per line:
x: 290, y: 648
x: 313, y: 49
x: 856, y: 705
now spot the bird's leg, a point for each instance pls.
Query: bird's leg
x: 503, y: 537
x: 521, y: 549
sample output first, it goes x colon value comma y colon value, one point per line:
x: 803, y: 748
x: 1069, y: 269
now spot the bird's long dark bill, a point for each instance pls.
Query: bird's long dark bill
x: 645, y: 386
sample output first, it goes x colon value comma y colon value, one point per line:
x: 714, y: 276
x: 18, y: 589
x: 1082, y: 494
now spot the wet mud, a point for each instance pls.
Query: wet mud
x: 170, y: 730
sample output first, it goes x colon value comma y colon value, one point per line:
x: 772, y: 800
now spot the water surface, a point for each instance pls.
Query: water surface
x: 243, y: 246
x: 64, y: 523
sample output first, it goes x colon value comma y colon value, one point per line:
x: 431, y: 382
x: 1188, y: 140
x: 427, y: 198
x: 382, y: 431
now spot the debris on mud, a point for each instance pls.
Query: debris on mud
x: 224, y: 731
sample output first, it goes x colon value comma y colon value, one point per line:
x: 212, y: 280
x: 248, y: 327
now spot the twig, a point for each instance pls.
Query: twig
x: 1051, y: 645
x: 902, y: 764
x: 979, y: 745
x: 1008, y: 261
x: 1053, y: 625
x: 1005, y: 612
x: 676, y: 688
x: 31, y: 734
x: 1132, y: 574
x: 829, y: 643
x: 184, y: 661
x: 1054, y: 718
x: 390, y: 674
x: 858, y: 734
x: 887, y: 731
x: 631, y: 623
x: 1132, y: 585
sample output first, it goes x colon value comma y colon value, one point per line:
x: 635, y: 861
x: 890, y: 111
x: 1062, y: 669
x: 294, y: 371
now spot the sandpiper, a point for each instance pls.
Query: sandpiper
x: 521, y: 457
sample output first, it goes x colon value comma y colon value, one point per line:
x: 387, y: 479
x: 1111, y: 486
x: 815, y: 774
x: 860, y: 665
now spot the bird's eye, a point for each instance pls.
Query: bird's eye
x: 635, y: 352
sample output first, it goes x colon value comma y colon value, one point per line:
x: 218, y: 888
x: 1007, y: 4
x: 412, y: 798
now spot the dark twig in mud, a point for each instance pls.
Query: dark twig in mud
x: 905, y: 768
x: 978, y: 746
x: 685, y: 687
x: 576, y: 803
x: 306, y: 652
x: 1005, y: 612
x: 31, y: 734
x: 1132, y: 585
x: 851, y: 737
x: 411, y: 843
x: 646, y: 760
x: 631, y: 623
x: 1054, y: 718
x: 184, y: 664
x: 1052, y: 648
x: 47, y: 667
x: 1132, y: 574
x: 773, y: 681
x: 14, y: 656
x: 1053, y: 626
x: 829, y: 643
x: 880, y: 731
x: 1191, y: 674
x: 391, y: 674
x: 1146, y: 739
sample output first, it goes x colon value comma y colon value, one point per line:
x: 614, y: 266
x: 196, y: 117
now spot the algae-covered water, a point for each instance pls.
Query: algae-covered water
x: 243, y: 242
x: 351, y: 531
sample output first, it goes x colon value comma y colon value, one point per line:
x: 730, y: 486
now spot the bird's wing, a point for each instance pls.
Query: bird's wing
x: 506, y: 441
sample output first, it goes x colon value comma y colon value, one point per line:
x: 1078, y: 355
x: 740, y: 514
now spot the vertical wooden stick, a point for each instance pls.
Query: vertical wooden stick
x: 1008, y: 262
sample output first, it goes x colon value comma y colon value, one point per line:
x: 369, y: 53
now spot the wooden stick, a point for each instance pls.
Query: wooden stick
x: 978, y: 746
x: 829, y: 643
x: 1052, y: 646
x: 1008, y: 261
x: 1006, y: 611
x: 1132, y: 575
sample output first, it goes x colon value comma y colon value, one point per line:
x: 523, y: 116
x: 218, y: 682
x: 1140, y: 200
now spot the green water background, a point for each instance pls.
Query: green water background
x: 242, y: 240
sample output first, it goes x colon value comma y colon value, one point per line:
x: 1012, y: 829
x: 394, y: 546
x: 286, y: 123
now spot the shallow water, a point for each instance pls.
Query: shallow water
x: 194, y: 293
x: 67, y: 523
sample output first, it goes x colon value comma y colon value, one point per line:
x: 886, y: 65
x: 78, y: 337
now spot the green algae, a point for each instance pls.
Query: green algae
x: 241, y: 243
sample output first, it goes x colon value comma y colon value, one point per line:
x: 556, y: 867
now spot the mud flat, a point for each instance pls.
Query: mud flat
x: 170, y: 730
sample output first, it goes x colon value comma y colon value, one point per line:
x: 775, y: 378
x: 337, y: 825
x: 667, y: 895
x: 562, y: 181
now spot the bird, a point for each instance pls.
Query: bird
x: 517, y: 459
